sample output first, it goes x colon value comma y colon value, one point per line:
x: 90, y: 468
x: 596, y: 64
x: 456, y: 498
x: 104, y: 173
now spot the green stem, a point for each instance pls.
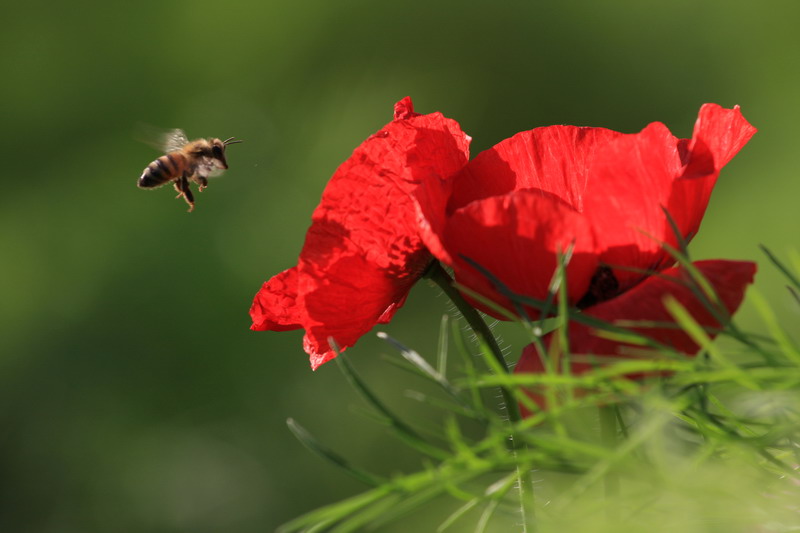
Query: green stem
x: 439, y: 275
x: 608, y: 435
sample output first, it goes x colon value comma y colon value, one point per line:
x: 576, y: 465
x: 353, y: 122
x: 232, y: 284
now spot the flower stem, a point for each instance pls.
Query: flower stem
x: 439, y: 275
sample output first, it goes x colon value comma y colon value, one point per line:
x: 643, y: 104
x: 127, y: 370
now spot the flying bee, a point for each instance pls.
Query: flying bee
x: 186, y: 161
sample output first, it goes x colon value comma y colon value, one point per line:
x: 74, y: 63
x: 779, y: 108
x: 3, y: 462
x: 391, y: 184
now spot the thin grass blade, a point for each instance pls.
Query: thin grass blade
x: 329, y: 455
x: 442, y: 348
x: 785, y: 343
x: 402, y: 429
x: 793, y: 279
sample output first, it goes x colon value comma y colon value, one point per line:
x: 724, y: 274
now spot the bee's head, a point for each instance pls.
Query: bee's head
x: 218, y: 151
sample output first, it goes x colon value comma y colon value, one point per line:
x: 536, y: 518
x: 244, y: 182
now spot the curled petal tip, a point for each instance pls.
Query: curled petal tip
x: 404, y: 109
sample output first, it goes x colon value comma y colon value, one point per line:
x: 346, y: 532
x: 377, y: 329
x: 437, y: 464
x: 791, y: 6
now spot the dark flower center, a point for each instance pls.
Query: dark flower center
x: 604, y: 286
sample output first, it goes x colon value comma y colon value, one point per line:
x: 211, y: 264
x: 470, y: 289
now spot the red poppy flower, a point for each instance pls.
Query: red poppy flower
x: 514, y: 207
x: 363, y: 251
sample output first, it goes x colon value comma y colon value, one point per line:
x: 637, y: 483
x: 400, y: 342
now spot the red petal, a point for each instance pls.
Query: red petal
x: 630, y: 182
x: 275, y: 305
x: 719, y: 134
x: 554, y: 159
x: 722, y: 132
x: 363, y: 250
x: 638, y: 175
x: 354, y: 295
x: 517, y: 237
x: 645, y: 302
x: 366, y: 207
x: 404, y: 109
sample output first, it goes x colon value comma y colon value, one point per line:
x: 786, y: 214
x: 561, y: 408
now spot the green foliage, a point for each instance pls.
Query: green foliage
x: 706, y: 444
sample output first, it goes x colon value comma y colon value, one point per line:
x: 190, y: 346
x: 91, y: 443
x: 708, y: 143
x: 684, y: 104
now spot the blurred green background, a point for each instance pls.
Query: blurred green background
x: 133, y: 397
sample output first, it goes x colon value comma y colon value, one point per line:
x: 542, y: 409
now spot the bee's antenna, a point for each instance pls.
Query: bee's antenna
x: 231, y: 140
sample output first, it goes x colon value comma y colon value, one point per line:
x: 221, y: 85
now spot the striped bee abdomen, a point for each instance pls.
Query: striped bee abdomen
x: 164, y: 169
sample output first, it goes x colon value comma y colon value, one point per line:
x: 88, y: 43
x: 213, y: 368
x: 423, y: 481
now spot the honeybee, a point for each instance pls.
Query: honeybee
x: 186, y: 161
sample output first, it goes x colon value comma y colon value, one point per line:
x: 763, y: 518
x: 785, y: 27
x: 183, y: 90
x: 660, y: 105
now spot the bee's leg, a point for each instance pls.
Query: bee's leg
x: 201, y: 181
x: 182, y: 186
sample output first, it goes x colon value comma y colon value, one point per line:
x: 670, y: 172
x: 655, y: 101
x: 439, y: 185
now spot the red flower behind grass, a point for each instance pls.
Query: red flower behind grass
x: 363, y: 251
x: 645, y: 303
x: 514, y: 208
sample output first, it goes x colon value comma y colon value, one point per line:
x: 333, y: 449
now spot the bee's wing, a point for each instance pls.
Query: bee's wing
x: 165, y: 141
x: 173, y: 140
